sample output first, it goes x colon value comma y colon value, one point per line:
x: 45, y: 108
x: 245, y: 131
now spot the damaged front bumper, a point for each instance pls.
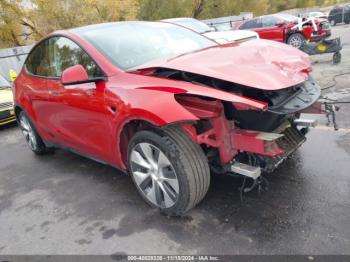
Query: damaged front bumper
x: 305, y: 96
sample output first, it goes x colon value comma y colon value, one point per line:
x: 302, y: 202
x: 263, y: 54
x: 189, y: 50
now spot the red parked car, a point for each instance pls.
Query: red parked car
x: 165, y: 104
x: 282, y: 28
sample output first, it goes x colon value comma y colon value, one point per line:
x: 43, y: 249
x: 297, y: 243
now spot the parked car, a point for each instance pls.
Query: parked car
x: 282, y: 28
x: 339, y: 14
x: 224, y: 26
x: 7, y: 114
x: 221, y: 37
x: 165, y: 104
x: 314, y: 14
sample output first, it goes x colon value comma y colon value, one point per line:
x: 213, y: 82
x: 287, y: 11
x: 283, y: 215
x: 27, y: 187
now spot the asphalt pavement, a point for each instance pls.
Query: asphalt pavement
x: 62, y: 203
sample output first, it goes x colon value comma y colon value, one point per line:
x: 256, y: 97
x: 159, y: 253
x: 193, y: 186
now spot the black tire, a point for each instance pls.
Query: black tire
x: 36, y: 144
x: 296, y: 40
x: 188, y: 160
x: 336, y: 58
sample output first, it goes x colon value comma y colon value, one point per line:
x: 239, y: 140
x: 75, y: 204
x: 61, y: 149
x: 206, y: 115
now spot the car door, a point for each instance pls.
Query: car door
x: 270, y: 30
x: 78, y: 116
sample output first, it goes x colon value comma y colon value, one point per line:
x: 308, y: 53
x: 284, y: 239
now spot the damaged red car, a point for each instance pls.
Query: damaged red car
x: 283, y: 28
x: 166, y: 105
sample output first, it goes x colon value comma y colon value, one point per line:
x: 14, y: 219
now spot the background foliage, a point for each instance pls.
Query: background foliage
x: 26, y: 21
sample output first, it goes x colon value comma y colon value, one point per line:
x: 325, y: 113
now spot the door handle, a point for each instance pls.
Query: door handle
x: 54, y: 93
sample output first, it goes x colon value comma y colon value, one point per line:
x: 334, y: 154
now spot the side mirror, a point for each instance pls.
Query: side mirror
x: 77, y: 74
x: 280, y: 23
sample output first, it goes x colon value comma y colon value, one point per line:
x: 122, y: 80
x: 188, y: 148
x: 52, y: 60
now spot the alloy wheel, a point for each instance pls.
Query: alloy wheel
x: 295, y: 41
x: 28, y: 133
x: 154, y: 175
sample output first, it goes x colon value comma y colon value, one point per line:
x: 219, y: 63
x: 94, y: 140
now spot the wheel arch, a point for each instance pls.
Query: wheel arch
x: 18, y: 110
x: 130, y: 127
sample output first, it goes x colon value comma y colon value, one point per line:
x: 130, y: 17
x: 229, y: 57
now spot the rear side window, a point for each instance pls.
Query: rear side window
x: 51, y: 57
x: 255, y: 23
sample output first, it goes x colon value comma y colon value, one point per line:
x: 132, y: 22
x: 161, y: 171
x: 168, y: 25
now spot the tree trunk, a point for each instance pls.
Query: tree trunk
x: 198, y: 8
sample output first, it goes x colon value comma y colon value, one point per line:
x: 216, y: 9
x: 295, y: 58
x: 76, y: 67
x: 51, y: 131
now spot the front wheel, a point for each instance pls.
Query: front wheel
x: 296, y: 40
x: 333, y: 23
x: 169, y: 170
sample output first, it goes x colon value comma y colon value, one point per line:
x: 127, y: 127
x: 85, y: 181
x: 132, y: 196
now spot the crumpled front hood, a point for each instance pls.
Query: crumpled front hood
x: 262, y: 64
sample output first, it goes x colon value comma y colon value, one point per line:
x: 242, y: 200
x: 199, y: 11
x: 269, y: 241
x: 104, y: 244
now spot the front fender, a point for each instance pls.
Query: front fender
x: 157, y: 107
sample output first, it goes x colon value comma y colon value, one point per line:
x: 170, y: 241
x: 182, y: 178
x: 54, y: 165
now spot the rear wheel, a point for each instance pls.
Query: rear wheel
x: 296, y: 40
x: 336, y: 58
x: 169, y: 170
x: 31, y: 136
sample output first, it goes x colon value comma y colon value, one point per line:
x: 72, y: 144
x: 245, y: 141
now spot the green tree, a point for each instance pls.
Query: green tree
x: 11, y: 32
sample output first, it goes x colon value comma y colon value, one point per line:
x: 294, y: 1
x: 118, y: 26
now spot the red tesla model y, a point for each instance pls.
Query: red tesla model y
x: 165, y: 104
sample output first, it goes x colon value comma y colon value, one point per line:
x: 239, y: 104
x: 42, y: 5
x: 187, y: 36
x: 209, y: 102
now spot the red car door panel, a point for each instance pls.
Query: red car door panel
x: 273, y: 33
x: 79, y: 120
x: 76, y: 115
x: 271, y: 30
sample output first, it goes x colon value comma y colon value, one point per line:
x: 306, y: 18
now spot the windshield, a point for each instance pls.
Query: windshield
x: 287, y: 17
x: 192, y: 24
x: 132, y: 44
x: 4, y: 83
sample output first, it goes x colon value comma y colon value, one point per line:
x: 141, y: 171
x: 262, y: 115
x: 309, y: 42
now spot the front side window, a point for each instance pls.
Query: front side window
x: 269, y: 21
x: 51, y: 57
x: 64, y: 53
x: 251, y: 24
